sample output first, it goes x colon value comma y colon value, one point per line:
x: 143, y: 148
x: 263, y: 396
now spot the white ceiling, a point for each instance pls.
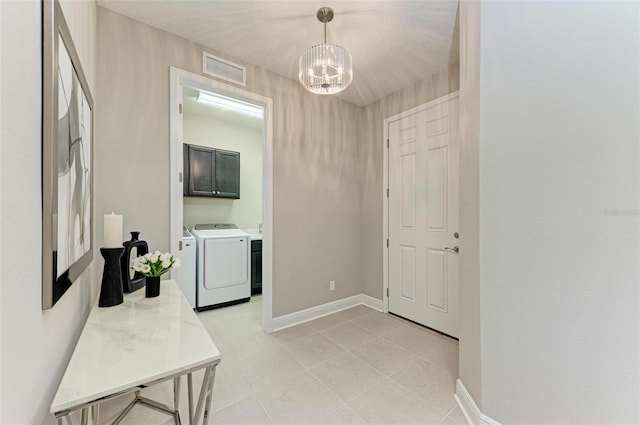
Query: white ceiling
x: 394, y: 43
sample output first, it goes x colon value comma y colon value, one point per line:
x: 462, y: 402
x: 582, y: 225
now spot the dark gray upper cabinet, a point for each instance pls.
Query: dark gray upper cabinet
x: 211, y: 172
x: 185, y: 169
x: 227, y: 170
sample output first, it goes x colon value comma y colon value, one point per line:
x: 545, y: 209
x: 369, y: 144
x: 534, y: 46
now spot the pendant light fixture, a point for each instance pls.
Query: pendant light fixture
x: 325, y: 68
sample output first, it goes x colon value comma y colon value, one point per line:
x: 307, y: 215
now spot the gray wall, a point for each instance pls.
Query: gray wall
x: 371, y: 152
x: 36, y: 345
x: 559, y: 211
x: 317, y: 205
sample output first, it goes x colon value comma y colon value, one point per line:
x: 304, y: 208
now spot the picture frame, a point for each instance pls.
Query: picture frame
x: 67, y: 159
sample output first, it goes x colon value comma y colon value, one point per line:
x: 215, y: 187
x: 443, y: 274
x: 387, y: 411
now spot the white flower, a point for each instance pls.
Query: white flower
x: 156, y: 263
x: 136, y: 263
x: 154, y: 257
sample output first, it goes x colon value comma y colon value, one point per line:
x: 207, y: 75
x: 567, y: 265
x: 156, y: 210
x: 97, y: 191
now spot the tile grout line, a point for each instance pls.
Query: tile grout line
x: 265, y: 410
x: 447, y: 415
x: 344, y: 403
x: 427, y: 402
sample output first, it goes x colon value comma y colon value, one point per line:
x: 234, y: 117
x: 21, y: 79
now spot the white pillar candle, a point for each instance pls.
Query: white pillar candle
x: 113, y: 230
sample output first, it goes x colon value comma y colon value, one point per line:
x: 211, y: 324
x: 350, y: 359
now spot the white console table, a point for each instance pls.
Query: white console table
x: 139, y: 343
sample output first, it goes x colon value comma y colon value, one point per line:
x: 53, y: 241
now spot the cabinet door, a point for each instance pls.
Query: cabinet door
x: 227, y: 174
x: 256, y: 272
x: 201, y: 171
x: 185, y: 169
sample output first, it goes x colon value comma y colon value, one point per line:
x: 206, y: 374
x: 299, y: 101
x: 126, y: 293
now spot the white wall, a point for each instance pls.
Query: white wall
x: 35, y: 344
x: 559, y: 211
x: 245, y: 212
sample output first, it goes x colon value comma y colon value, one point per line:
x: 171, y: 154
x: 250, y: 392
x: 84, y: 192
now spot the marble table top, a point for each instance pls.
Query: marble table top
x: 136, y: 342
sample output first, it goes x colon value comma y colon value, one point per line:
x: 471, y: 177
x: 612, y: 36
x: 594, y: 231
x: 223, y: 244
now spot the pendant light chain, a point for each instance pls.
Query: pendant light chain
x: 325, y: 31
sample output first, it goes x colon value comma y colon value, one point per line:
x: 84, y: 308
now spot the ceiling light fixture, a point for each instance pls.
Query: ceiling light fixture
x: 325, y: 68
x: 229, y: 104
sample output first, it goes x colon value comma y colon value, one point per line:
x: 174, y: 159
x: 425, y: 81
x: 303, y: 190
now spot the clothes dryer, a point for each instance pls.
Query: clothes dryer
x: 223, y: 266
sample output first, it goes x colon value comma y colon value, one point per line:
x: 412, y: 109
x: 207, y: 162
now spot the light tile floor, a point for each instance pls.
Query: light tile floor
x: 358, y: 366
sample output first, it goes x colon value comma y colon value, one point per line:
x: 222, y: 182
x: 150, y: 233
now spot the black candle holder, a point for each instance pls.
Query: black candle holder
x: 111, y: 290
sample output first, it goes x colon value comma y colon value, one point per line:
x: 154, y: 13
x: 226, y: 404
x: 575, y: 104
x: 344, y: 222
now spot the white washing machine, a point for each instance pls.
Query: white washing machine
x: 187, y: 279
x: 223, y: 266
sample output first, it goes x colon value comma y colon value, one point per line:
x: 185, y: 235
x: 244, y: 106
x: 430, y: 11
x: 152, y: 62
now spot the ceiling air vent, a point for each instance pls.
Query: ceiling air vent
x: 224, y: 69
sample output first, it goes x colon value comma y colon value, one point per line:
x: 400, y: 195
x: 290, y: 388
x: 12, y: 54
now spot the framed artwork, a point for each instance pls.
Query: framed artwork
x: 67, y: 160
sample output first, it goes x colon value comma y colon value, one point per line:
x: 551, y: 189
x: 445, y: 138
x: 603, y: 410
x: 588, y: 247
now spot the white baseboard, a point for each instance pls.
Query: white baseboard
x: 316, y: 312
x: 369, y: 301
x: 298, y: 317
x: 469, y: 408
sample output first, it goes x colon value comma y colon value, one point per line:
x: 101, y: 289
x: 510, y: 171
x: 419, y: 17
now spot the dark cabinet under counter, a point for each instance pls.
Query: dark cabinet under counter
x: 210, y: 172
x: 256, y: 267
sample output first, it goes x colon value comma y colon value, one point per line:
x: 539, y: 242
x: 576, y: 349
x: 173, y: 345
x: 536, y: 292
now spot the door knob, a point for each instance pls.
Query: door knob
x: 455, y: 249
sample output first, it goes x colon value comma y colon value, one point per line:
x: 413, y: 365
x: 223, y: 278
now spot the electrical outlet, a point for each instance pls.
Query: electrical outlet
x: 332, y: 285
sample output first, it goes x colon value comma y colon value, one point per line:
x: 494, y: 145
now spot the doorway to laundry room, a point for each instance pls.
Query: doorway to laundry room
x: 220, y: 150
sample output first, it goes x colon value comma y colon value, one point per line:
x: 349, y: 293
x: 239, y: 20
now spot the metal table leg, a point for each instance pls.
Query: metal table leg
x: 207, y: 404
x: 176, y: 399
x: 203, y: 390
x: 95, y: 413
x: 126, y: 410
x: 190, y: 391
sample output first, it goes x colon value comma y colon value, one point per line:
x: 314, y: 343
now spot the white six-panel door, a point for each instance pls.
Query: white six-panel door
x: 423, y: 215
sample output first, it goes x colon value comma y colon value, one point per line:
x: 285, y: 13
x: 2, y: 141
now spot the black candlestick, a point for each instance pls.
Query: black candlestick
x: 111, y: 290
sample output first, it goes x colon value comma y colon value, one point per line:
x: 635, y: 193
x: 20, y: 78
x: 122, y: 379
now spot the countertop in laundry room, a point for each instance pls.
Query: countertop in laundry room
x: 254, y: 234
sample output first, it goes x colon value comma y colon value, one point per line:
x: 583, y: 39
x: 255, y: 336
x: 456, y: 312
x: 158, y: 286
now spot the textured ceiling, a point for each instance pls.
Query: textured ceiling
x: 394, y: 43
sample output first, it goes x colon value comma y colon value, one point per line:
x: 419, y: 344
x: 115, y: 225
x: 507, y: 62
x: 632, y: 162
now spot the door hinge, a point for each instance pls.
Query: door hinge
x: 387, y: 292
x: 180, y: 108
x: 387, y: 192
x: 180, y: 177
x: 387, y: 143
x: 387, y: 242
x: 179, y: 245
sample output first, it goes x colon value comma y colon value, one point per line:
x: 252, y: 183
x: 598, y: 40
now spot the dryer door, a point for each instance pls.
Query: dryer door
x: 225, y: 262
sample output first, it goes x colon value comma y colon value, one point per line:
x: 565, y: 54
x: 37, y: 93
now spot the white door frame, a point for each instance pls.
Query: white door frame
x: 385, y: 179
x: 177, y: 78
